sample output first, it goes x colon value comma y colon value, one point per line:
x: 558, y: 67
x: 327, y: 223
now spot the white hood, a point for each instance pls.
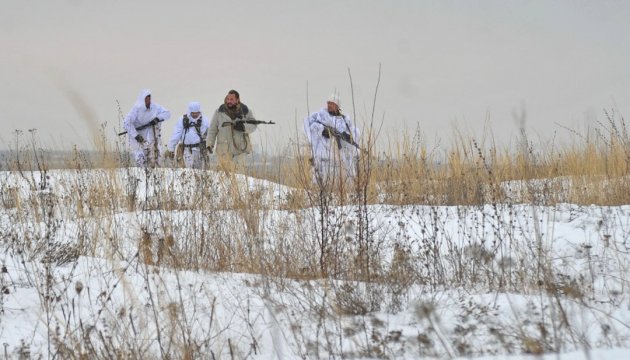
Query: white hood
x: 194, y: 106
x: 335, y: 98
x: 143, y: 94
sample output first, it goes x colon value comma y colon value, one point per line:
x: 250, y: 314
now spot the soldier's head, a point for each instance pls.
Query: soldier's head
x: 333, y: 104
x: 194, y: 109
x: 232, y: 99
x: 144, y: 98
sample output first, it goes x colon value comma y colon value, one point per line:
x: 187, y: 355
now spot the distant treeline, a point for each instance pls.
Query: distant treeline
x: 55, y: 159
x: 27, y: 160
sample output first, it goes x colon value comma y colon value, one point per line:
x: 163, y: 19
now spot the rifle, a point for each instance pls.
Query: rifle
x: 253, y: 122
x: 150, y: 123
x: 339, y: 136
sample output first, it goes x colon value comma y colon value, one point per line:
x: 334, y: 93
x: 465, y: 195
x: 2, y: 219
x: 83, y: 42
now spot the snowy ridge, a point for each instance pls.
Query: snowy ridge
x: 456, y: 282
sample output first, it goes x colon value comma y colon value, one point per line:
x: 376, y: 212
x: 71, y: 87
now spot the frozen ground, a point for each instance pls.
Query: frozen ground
x: 501, y: 281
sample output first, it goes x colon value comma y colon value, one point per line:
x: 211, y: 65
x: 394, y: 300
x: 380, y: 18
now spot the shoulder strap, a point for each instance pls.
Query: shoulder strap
x: 186, y: 123
x: 198, y: 127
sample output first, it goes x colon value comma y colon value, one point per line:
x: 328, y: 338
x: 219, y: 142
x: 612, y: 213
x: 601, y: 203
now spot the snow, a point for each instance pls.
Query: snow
x: 471, y: 282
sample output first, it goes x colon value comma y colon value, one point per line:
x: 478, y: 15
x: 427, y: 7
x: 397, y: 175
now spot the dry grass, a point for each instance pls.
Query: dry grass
x: 226, y: 224
x: 592, y: 171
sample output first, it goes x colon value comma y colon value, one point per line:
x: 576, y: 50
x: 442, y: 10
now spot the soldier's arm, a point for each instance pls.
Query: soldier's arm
x: 177, y: 135
x: 162, y: 113
x: 128, y: 123
x: 213, y: 130
x: 250, y: 128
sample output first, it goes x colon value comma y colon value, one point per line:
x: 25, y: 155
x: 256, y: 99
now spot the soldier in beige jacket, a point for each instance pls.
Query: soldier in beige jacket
x: 229, y: 130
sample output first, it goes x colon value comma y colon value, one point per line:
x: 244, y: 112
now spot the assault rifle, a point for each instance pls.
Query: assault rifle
x: 150, y: 123
x: 253, y: 122
x: 340, y: 136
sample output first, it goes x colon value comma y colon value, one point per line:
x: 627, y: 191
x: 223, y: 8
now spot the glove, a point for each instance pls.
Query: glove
x: 345, y: 136
x: 239, y: 126
x: 209, y: 149
x: 154, y: 121
x: 326, y: 133
x: 139, y: 139
x: 169, y: 154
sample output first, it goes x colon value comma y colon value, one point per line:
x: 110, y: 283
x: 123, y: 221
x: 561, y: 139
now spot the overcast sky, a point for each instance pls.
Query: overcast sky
x: 64, y: 64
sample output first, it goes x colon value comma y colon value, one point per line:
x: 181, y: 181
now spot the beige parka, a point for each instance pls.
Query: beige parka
x: 227, y: 140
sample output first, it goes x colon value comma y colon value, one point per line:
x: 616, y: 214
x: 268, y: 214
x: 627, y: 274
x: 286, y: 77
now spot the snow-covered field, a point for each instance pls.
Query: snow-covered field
x: 495, y: 281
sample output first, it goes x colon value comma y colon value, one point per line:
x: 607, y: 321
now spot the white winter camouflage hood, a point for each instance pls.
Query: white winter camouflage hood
x: 140, y: 100
x: 194, y: 106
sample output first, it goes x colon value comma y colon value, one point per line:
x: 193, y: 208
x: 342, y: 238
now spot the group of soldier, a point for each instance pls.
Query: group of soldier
x: 331, y: 134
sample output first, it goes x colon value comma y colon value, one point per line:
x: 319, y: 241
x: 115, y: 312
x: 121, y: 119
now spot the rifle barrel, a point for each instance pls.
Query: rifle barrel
x: 337, y: 135
x: 143, y: 126
x: 253, y: 122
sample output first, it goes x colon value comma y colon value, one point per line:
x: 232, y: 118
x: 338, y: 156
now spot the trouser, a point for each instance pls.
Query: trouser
x: 193, y: 158
x: 349, y: 161
x: 326, y: 172
x: 230, y: 162
x: 147, y: 155
x: 329, y: 173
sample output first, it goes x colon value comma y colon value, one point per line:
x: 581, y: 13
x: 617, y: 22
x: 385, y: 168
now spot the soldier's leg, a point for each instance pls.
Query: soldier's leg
x: 205, y: 158
x: 197, y: 161
x: 140, y: 155
x: 138, y: 152
x: 321, y: 172
x: 240, y: 162
x: 159, y: 156
x: 349, y: 164
x: 152, y: 154
x: 188, y: 157
x: 224, y: 162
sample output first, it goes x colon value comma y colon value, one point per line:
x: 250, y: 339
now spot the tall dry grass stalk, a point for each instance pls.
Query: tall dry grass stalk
x: 289, y: 228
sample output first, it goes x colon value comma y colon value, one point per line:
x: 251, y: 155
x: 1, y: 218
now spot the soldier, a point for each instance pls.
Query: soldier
x: 144, y: 129
x: 229, y: 130
x: 191, y: 131
x: 333, y: 138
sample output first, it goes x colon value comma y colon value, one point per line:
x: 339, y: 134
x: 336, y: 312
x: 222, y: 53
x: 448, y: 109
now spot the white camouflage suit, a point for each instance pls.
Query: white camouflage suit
x: 194, y: 144
x: 330, y: 155
x: 147, y: 153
